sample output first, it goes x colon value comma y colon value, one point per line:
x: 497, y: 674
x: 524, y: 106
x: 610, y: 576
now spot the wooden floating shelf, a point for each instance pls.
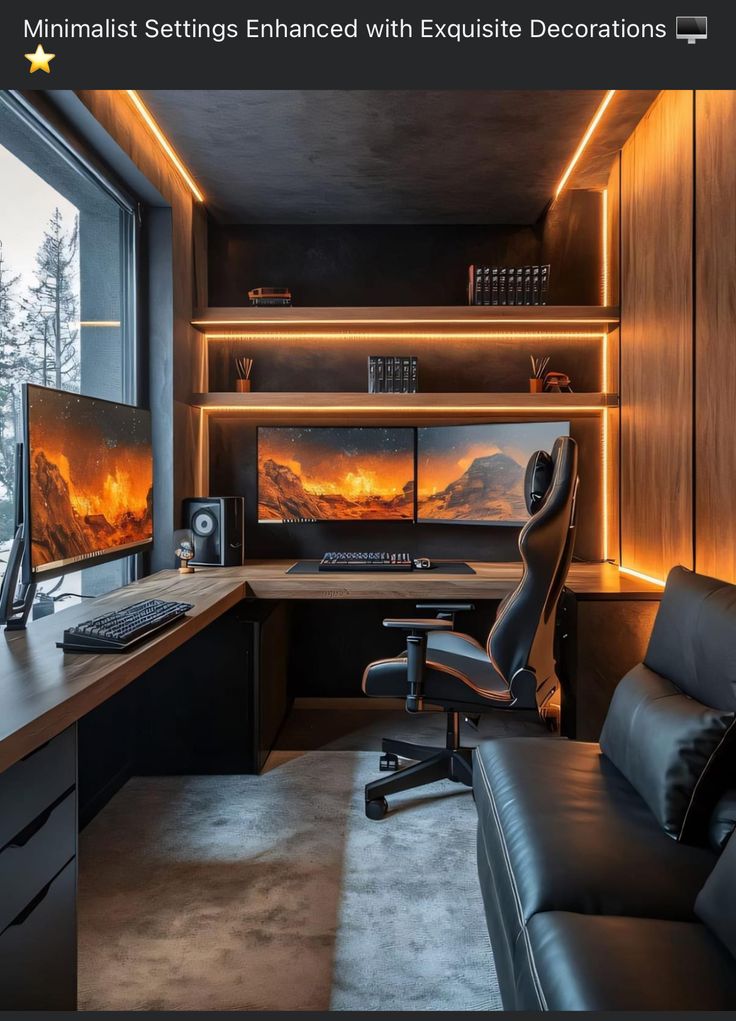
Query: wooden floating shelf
x: 575, y: 317
x: 405, y: 404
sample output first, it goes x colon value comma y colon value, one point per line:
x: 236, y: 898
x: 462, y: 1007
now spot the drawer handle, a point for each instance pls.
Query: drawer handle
x: 28, y: 910
x: 29, y: 831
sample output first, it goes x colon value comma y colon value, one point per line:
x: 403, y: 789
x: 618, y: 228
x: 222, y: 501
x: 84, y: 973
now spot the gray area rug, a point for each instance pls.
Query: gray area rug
x: 274, y: 892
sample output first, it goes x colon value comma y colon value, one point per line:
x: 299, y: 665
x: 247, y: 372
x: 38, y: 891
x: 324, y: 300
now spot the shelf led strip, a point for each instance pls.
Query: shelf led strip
x: 299, y: 334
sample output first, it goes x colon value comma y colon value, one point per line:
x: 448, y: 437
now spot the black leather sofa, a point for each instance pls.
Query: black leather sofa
x: 590, y: 870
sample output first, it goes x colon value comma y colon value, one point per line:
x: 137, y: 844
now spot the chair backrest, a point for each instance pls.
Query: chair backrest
x: 521, y: 642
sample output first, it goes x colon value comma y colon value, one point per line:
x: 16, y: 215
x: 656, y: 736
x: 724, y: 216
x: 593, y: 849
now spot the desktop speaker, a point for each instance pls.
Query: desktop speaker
x: 216, y: 522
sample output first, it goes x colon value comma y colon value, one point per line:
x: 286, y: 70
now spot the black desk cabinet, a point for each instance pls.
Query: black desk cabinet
x: 38, y: 865
x: 600, y: 638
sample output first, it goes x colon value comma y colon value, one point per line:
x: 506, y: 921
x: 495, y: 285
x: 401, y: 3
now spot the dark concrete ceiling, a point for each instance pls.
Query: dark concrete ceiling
x: 375, y: 157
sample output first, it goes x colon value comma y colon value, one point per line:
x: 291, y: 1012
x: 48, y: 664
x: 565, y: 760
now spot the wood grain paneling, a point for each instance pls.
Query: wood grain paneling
x: 656, y: 338
x: 715, y: 330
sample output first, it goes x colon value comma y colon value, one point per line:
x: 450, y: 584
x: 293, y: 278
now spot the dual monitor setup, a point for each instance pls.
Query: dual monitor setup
x: 84, y: 484
x: 460, y: 474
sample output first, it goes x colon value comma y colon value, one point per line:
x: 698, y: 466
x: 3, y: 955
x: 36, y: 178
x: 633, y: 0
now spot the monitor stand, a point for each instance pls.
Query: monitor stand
x: 16, y: 599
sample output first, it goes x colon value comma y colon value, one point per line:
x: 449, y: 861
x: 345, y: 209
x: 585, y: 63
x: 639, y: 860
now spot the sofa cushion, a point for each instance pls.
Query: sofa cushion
x: 565, y: 831
x: 587, y: 962
x: 667, y: 745
x: 716, y: 902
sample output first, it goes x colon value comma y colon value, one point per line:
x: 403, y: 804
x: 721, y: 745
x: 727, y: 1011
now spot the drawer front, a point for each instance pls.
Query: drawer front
x: 35, y: 855
x: 34, y: 783
x: 38, y: 951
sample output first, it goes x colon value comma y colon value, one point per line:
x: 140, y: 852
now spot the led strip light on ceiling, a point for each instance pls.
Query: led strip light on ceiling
x: 584, y: 141
x: 164, y: 143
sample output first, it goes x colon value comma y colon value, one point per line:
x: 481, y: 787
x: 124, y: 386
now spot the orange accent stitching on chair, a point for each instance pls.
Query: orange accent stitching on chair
x: 483, y: 692
x: 378, y: 662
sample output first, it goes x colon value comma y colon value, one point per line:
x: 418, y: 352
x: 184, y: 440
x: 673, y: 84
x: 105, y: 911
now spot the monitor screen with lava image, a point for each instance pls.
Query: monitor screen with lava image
x: 89, y: 478
x: 474, y: 474
x: 335, y: 474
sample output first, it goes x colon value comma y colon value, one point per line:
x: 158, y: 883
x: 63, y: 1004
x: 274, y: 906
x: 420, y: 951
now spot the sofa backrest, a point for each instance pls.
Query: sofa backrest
x: 693, y: 642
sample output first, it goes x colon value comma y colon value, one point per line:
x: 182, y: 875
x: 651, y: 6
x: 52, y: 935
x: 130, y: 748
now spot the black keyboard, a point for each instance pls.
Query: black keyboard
x: 122, y: 629
x: 366, y: 562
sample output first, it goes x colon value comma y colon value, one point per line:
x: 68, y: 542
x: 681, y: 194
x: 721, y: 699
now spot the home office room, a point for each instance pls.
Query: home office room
x: 368, y: 549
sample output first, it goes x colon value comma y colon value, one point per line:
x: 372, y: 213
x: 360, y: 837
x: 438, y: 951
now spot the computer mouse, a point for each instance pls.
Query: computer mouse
x: 422, y: 563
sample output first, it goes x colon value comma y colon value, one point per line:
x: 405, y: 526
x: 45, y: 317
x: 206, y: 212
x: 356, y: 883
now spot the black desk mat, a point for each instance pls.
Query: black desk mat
x: 440, y: 567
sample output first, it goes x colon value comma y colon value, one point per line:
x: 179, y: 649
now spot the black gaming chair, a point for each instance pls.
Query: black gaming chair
x: 516, y: 669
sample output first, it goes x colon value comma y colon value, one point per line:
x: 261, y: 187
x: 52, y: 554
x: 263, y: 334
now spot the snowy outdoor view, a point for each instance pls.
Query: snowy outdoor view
x: 39, y: 305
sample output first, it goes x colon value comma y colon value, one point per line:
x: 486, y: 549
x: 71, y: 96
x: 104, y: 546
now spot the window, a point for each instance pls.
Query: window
x: 67, y: 250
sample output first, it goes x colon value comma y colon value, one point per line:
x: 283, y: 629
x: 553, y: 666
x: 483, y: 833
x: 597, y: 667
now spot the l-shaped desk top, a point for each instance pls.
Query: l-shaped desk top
x: 43, y: 690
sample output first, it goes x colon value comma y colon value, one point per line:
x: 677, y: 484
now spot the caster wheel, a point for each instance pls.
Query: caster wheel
x: 377, y: 808
x: 388, y: 762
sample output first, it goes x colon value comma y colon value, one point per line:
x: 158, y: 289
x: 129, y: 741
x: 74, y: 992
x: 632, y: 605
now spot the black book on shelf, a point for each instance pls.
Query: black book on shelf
x: 494, y: 286
x: 380, y: 374
x: 397, y: 374
x: 502, y: 295
x: 535, y: 285
x: 406, y: 375
x: 371, y: 374
x: 389, y: 377
x: 519, y: 296
x: 414, y: 379
x: 511, y: 286
x: 486, y: 285
x: 527, y: 297
x: 544, y: 284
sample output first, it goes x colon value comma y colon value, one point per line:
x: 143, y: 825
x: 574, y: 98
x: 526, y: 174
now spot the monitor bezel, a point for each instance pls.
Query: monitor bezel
x: 472, y: 523
x: 55, y: 569
x: 337, y: 522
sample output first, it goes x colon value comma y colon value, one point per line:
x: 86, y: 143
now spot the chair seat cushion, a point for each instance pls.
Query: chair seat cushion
x: 588, y: 962
x: 458, y: 674
x: 565, y: 831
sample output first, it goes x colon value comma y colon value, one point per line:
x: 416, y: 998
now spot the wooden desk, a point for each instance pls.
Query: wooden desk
x: 43, y: 691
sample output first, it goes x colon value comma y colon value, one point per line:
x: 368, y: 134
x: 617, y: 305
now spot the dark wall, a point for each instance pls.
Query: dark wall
x: 360, y: 265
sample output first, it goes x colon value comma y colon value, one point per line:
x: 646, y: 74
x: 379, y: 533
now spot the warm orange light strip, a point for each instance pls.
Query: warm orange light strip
x: 100, y: 322
x: 642, y: 577
x: 399, y: 335
x: 605, y: 273
x: 254, y: 324
x: 164, y: 142
x: 604, y: 442
x: 584, y: 141
x: 485, y: 409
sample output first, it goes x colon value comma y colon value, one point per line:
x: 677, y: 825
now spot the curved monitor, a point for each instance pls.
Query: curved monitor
x: 474, y: 474
x: 88, y: 477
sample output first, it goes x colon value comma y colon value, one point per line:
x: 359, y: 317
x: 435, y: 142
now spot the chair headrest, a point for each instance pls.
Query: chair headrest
x: 537, y: 480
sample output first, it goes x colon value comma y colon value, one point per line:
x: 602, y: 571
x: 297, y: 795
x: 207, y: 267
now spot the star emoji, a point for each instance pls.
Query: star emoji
x: 40, y: 60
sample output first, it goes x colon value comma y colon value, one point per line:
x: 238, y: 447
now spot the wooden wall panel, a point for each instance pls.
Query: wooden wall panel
x: 715, y: 332
x: 656, y: 338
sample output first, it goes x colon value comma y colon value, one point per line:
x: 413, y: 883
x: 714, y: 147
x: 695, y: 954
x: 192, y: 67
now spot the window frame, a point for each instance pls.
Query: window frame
x: 69, y: 150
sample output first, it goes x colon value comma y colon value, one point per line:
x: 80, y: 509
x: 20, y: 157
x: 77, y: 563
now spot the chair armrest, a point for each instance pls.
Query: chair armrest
x: 418, y: 624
